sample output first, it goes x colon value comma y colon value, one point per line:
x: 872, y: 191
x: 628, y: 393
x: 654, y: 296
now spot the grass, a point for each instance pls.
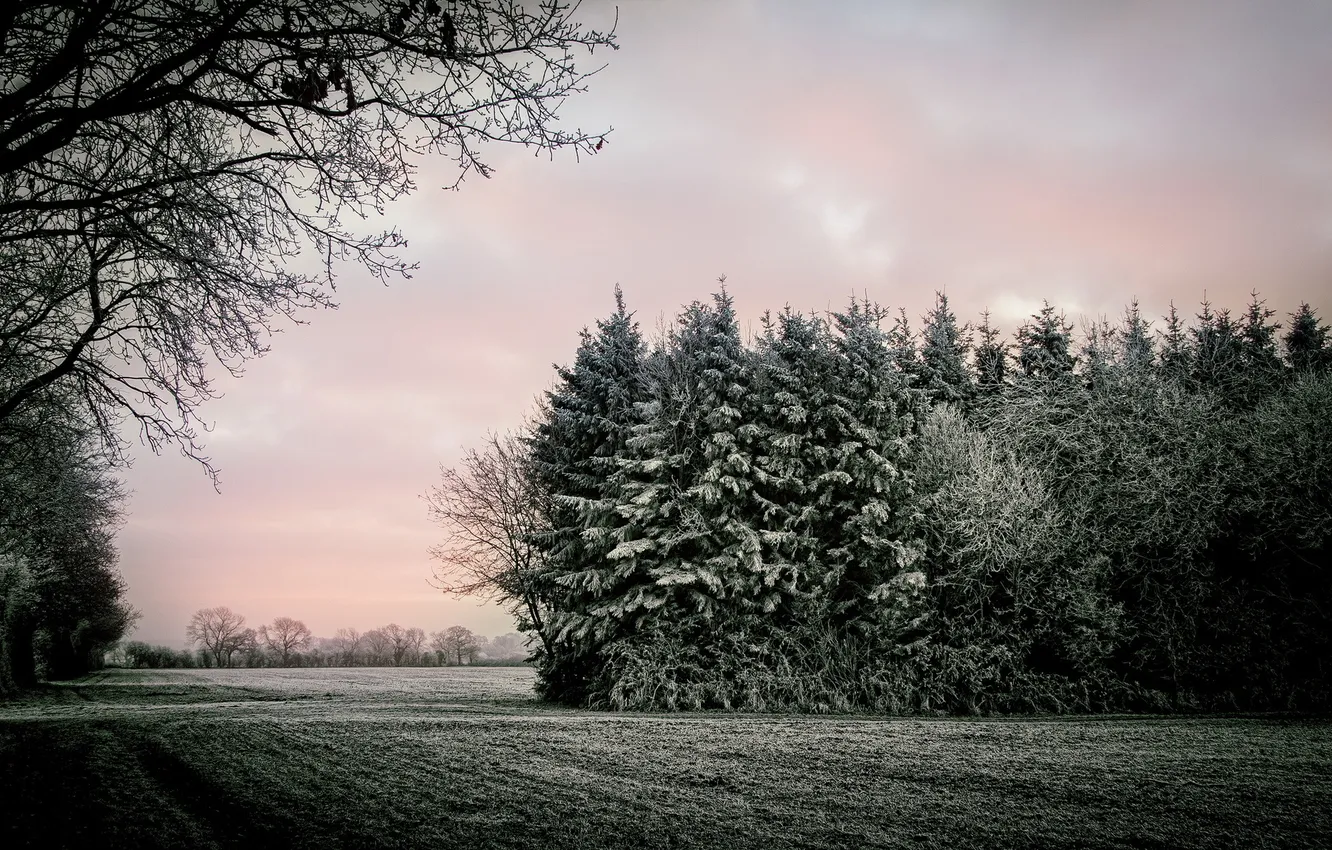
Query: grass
x: 460, y: 757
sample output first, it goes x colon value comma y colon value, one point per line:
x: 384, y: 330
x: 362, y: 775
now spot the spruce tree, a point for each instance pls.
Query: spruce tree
x: 1136, y: 349
x: 585, y: 427
x: 1176, y: 351
x: 1043, y: 345
x: 903, y: 344
x: 1261, y: 362
x: 869, y: 526
x: 991, y: 363
x: 943, y: 356
x: 685, y: 554
x: 796, y: 371
x: 1218, y: 356
x: 1307, y: 342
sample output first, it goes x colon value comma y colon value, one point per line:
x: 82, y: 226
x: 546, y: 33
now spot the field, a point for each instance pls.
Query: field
x: 467, y: 758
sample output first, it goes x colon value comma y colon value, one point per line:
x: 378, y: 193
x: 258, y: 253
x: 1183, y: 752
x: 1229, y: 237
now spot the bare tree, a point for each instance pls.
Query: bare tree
x: 460, y: 643
x: 219, y: 631
x: 491, y: 510
x: 415, y: 641
x: 284, y: 637
x: 248, y: 645
x: 397, y: 637
x: 439, y: 642
x: 162, y: 162
x: 347, y: 642
x: 379, y: 647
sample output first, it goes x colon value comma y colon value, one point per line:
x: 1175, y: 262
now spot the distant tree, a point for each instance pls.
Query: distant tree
x: 439, y: 642
x: 347, y: 642
x: 219, y: 631
x: 459, y: 643
x: 284, y: 637
x: 415, y: 639
x: 397, y: 642
x: 139, y: 654
x: 251, y: 650
x: 379, y: 648
x: 508, y: 646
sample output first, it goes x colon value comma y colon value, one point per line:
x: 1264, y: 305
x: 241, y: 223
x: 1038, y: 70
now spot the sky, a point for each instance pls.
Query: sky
x: 1001, y: 152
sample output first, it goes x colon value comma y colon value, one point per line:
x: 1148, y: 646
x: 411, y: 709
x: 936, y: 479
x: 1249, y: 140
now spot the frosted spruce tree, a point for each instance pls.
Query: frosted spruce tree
x: 684, y: 556
x: 943, y: 356
x: 796, y: 374
x: 866, y: 498
x: 583, y: 429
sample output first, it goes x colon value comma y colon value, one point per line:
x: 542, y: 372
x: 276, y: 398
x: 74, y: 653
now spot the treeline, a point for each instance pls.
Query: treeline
x: 218, y: 637
x: 847, y: 513
x: 61, y: 594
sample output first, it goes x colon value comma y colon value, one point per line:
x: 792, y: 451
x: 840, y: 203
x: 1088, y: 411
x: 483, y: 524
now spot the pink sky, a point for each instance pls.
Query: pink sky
x: 1004, y: 152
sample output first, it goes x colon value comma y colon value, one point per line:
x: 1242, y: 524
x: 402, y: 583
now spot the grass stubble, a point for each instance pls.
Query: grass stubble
x: 468, y: 758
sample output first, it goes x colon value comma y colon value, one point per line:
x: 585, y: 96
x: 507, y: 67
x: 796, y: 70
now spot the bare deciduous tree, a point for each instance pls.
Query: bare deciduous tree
x: 415, y: 641
x: 397, y: 637
x: 459, y: 643
x: 219, y: 631
x: 284, y: 637
x: 439, y: 642
x: 347, y: 642
x: 379, y: 647
x: 491, y: 511
x: 161, y: 163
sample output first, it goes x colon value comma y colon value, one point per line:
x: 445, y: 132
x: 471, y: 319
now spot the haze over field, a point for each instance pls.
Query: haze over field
x: 1003, y: 155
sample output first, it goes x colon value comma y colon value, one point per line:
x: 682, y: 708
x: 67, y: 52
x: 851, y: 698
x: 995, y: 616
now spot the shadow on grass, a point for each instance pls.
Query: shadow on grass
x: 90, y: 785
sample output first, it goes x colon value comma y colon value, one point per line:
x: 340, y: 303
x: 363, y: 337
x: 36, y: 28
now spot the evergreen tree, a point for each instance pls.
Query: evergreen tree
x: 1216, y: 352
x: 943, y: 356
x: 902, y: 343
x: 795, y: 379
x: 1307, y: 342
x: 869, y: 526
x: 1176, y: 351
x: 585, y: 428
x: 1098, y: 352
x: 1136, y: 349
x: 991, y: 362
x: 1043, y: 345
x: 686, y: 556
x: 1261, y: 362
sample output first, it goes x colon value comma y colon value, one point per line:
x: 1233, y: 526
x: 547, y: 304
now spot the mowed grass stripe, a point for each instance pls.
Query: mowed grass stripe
x: 369, y: 761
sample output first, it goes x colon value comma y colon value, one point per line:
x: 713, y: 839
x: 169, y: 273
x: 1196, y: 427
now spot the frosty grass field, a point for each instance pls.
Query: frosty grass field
x: 468, y: 758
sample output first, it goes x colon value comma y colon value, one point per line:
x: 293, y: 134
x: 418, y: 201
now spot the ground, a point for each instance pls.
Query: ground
x: 468, y: 758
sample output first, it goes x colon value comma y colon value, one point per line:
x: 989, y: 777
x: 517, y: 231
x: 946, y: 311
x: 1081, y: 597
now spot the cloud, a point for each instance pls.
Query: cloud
x: 1085, y: 153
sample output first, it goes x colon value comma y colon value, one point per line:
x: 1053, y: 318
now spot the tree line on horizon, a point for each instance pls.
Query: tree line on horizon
x: 218, y: 637
x: 848, y: 513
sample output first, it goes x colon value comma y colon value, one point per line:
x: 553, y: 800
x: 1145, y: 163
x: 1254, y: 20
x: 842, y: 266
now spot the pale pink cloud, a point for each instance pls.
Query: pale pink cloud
x: 1005, y: 153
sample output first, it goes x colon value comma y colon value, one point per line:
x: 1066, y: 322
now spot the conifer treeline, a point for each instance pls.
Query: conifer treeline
x: 847, y: 514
